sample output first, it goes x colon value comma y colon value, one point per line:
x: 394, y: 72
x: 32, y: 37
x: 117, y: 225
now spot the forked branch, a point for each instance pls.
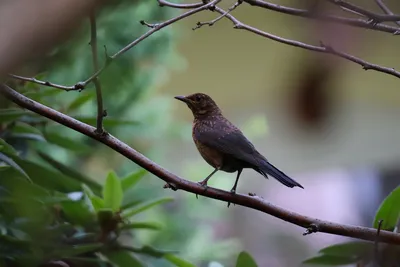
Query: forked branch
x: 251, y: 201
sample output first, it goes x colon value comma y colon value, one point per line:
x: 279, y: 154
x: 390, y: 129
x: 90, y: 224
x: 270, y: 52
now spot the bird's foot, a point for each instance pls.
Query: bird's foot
x: 204, y: 185
x: 233, y: 191
x: 312, y: 228
x: 171, y: 186
x: 229, y: 203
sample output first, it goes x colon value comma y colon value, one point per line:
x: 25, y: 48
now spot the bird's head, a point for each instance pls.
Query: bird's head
x: 201, y: 105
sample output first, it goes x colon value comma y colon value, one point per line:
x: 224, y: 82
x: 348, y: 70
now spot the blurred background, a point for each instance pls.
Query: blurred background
x: 326, y: 122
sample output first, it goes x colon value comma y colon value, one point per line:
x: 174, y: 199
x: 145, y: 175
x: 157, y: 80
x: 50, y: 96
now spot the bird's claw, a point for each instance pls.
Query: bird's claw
x: 312, y: 228
x: 203, y: 184
x: 171, y: 186
x: 233, y: 191
x: 229, y: 203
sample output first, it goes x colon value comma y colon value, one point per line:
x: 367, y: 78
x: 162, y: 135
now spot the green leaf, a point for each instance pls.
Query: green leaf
x: 389, y: 211
x: 47, y: 177
x: 28, y: 136
x: 71, y: 172
x: 24, y: 130
x: 65, y: 142
x: 330, y: 260
x: 86, y: 260
x: 77, y: 212
x: 349, y: 249
x: 107, y: 122
x: 82, y: 238
x: 23, y: 200
x: 4, y: 168
x: 146, y: 206
x: 150, y: 251
x: 112, y: 192
x: 131, y: 204
x: 43, y: 92
x: 13, y: 164
x: 7, y: 148
x: 245, y: 260
x: 97, y: 202
x: 143, y: 225
x: 21, y: 187
x: 123, y: 259
x: 80, y: 101
x: 178, y: 261
x: 131, y: 179
x: 12, y: 114
x: 87, y: 190
x: 78, y: 250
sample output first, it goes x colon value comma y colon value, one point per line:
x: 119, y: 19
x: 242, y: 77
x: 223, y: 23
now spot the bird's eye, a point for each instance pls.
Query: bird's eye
x: 198, y: 98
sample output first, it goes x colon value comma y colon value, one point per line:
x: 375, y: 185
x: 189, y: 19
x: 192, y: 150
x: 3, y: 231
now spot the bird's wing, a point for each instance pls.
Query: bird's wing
x: 231, y: 142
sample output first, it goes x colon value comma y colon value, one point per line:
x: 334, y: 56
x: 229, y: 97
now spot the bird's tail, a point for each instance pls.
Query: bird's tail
x: 267, y: 168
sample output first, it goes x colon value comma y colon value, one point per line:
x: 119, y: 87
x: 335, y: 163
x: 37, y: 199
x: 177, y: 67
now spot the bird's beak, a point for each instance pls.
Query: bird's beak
x: 181, y: 98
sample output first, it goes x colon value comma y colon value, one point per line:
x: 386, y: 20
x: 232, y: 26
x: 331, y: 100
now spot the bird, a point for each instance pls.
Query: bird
x: 223, y: 145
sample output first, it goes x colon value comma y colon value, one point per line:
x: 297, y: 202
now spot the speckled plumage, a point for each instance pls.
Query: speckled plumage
x: 223, y: 145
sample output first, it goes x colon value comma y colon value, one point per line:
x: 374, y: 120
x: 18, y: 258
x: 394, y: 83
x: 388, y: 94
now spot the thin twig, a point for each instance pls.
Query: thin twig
x: 385, y: 9
x: 179, y: 183
x: 323, y: 48
x: 212, y: 22
x: 93, y: 45
x: 361, y: 23
x: 373, y: 16
x: 181, y: 6
x: 76, y: 87
x: 157, y: 27
x: 154, y: 29
x: 352, y: 11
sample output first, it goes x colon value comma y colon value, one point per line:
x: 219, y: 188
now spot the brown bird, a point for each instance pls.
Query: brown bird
x: 223, y: 145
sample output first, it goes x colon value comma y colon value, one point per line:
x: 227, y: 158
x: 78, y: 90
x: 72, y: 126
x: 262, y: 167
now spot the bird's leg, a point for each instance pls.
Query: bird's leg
x: 233, y: 190
x: 205, y: 181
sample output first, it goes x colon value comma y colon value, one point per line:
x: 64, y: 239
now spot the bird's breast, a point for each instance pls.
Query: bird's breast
x: 211, y: 156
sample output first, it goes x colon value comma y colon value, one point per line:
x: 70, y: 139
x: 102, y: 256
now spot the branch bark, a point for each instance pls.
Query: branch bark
x: 252, y: 201
x: 97, y: 85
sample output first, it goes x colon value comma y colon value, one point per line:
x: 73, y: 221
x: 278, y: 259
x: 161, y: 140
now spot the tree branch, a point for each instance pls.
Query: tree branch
x: 156, y: 28
x: 386, y: 9
x: 323, y: 48
x: 312, y: 15
x: 373, y: 16
x: 181, y: 6
x: 93, y: 45
x: 76, y: 87
x: 251, y: 201
x: 212, y: 22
